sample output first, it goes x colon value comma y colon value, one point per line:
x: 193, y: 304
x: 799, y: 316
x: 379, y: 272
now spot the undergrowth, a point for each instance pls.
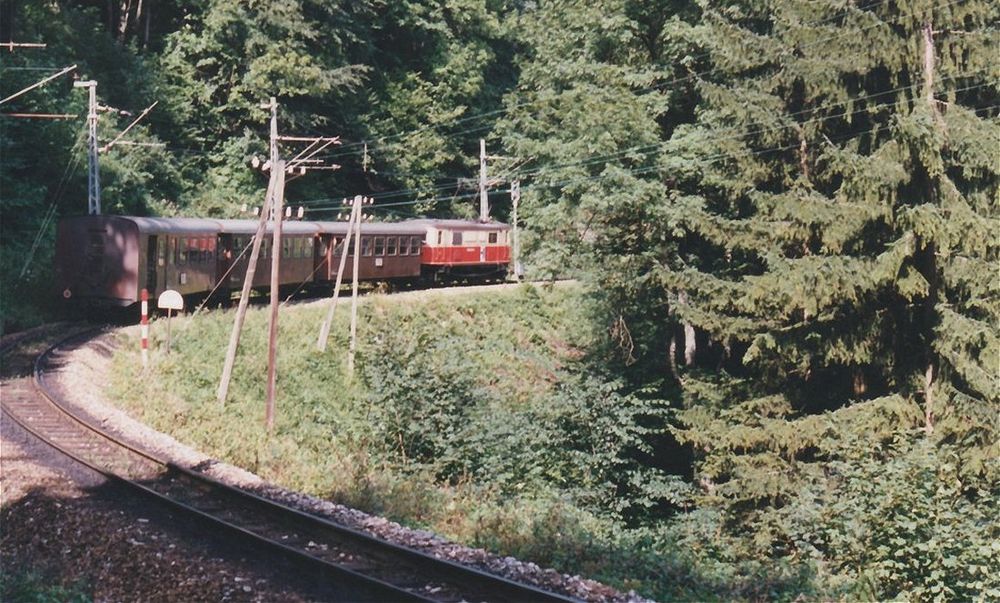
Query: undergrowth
x: 492, y: 420
x: 480, y: 417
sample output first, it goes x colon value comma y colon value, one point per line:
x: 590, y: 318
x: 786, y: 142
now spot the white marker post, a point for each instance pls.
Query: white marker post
x: 170, y: 300
x: 144, y: 327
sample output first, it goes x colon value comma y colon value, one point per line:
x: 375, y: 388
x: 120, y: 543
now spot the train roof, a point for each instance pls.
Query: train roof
x: 451, y: 224
x: 206, y: 226
x: 250, y: 227
x: 173, y: 225
x: 388, y: 228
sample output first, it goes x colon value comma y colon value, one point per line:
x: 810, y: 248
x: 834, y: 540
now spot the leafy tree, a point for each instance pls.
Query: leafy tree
x: 602, y: 86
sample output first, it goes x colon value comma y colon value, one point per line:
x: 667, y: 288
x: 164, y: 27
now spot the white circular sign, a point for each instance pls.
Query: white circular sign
x: 170, y: 300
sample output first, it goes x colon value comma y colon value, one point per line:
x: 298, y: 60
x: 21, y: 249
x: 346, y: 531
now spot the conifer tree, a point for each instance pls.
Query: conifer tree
x: 838, y: 202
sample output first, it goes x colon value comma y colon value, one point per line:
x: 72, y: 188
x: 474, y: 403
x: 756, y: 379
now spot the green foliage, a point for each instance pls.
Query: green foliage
x: 479, y: 416
x: 30, y: 587
x: 769, y: 178
x: 444, y: 398
x: 911, y: 525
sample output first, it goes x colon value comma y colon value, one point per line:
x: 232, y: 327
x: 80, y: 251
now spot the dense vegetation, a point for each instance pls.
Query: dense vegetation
x: 786, y: 214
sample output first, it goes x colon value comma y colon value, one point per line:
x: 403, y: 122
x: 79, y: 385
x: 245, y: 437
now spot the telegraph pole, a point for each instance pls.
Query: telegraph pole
x: 484, y: 206
x: 272, y: 338
x: 241, y: 311
x: 324, y: 331
x: 515, y: 197
x: 354, y: 288
x: 272, y: 210
x: 93, y: 171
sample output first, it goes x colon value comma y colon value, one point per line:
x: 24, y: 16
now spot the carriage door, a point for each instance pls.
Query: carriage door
x: 152, y: 256
x: 225, y: 260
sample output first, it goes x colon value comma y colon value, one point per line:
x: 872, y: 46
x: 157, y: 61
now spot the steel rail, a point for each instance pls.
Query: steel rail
x: 461, y: 580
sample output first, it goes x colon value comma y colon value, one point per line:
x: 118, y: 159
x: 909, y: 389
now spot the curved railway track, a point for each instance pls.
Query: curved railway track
x: 355, y: 564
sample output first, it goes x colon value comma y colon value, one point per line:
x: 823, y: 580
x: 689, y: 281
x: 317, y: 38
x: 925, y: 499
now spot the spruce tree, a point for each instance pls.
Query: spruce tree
x: 838, y: 204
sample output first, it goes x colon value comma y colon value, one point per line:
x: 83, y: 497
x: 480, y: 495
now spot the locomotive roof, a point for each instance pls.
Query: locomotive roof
x: 451, y: 224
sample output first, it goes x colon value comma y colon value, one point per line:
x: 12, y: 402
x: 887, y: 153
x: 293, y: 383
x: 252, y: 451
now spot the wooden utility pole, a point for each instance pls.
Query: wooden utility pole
x: 241, y: 311
x: 324, y: 331
x: 272, y: 209
x: 272, y: 338
x: 484, y: 205
x: 515, y: 197
x: 354, y: 289
x: 929, y: 249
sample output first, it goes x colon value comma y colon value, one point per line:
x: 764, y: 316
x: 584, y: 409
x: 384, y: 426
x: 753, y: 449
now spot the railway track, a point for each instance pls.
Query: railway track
x: 356, y: 565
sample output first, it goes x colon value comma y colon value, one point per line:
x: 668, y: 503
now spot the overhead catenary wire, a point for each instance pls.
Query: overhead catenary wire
x: 647, y: 169
x: 70, y: 169
x: 38, y: 84
x: 646, y: 149
x: 689, y: 77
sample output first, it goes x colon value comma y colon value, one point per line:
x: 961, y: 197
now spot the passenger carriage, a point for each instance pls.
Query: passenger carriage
x: 108, y: 260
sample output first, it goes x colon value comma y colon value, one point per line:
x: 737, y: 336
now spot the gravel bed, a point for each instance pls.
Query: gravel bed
x: 81, y: 379
x: 65, y: 526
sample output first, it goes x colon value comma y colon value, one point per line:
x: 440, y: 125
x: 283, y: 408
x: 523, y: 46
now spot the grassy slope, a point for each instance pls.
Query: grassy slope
x: 464, y: 418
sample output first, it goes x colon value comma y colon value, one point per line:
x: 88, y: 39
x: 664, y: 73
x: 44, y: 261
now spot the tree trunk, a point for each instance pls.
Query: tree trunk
x: 690, y: 345
x: 929, y: 249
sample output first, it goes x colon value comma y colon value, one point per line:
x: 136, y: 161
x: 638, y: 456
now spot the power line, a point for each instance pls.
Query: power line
x: 642, y: 91
x: 643, y: 170
x: 646, y: 149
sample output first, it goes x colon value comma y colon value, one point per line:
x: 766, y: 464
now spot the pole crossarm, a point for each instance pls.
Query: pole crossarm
x: 41, y: 115
x: 39, y: 83
x: 105, y: 148
x: 12, y: 45
x: 308, y: 138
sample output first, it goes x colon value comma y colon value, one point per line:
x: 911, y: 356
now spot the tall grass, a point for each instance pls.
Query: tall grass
x: 477, y: 416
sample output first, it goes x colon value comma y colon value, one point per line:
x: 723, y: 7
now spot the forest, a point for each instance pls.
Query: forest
x: 785, y: 214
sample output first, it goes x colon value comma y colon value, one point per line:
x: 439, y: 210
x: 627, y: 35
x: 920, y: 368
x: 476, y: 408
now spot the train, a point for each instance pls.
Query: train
x: 106, y: 261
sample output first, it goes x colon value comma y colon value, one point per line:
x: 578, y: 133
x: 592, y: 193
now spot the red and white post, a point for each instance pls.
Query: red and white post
x: 144, y: 328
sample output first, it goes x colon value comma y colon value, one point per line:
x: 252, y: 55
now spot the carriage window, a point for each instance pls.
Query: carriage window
x: 390, y: 246
x: 493, y: 237
x: 323, y: 248
x: 415, y: 245
x: 265, y: 246
x: 379, y: 245
x: 366, y: 246
x: 440, y: 234
x: 310, y: 246
x: 456, y: 238
x: 161, y: 251
x: 182, y: 250
x: 338, y: 250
